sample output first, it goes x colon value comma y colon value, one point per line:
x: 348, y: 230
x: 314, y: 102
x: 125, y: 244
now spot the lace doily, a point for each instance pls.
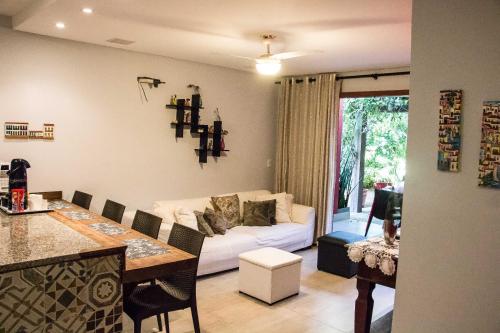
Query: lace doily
x: 375, y: 252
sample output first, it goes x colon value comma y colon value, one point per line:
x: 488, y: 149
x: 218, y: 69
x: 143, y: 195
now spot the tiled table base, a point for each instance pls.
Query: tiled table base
x: 77, y: 296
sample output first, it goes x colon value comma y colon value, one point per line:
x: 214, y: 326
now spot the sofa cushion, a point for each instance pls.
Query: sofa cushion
x: 258, y: 213
x: 281, y: 206
x: 247, y: 196
x: 203, y: 225
x: 289, y: 203
x: 165, y: 208
x: 229, y: 206
x: 280, y: 235
x: 215, y: 220
x: 186, y: 217
x: 220, y: 250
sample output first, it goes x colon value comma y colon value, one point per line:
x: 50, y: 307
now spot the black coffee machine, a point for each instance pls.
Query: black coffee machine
x: 18, y: 180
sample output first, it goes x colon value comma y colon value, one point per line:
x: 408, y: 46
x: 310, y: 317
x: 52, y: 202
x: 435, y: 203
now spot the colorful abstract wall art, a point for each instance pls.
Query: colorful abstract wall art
x: 450, y: 108
x: 489, y: 157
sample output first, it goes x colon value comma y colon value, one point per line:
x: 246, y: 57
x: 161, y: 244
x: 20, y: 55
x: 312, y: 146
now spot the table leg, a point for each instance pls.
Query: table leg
x: 364, y: 306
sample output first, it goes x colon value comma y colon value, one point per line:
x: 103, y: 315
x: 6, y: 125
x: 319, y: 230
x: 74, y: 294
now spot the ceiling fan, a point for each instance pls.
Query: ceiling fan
x: 270, y: 64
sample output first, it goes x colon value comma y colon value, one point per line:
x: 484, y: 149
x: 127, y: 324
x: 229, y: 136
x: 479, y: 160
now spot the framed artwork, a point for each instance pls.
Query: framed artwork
x: 450, y: 109
x: 489, y: 156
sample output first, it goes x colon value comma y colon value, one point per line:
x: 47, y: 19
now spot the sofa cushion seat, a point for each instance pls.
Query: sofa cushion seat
x: 221, y: 252
x: 280, y: 235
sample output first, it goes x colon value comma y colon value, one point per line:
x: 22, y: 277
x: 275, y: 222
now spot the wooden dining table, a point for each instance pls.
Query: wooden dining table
x: 367, y: 279
x: 137, y: 268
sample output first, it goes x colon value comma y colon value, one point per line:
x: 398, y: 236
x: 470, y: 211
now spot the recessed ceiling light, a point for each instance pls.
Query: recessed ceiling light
x: 60, y: 25
x: 87, y: 10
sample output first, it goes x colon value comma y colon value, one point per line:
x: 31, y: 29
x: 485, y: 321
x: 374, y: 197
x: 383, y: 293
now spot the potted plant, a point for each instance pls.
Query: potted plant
x: 368, y: 183
x: 348, y: 162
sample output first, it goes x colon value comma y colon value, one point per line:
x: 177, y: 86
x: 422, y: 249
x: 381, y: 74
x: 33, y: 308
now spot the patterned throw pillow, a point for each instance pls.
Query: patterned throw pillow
x: 258, y: 213
x: 203, y: 225
x: 229, y: 206
x: 215, y: 220
x: 281, y: 206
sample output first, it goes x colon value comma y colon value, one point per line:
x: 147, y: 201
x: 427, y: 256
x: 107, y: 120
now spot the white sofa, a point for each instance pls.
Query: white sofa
x: 220, y: 253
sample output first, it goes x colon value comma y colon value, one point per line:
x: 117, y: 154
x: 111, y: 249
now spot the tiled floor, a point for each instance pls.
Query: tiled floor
x: 357, y: 225
x: 325, y: 303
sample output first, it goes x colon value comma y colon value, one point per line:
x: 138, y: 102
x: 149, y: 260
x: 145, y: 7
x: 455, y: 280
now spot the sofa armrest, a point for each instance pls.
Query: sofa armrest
x: 303, y: 214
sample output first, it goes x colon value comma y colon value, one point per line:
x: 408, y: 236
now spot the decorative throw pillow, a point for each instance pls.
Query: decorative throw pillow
x: 289, y: 204
x: 203, y: 225
x: 257, y: 213
x: 229, y: 206
x: 215, y: 220
x: 272, y: 210
x: 186, y: 217
x: 282, y: 215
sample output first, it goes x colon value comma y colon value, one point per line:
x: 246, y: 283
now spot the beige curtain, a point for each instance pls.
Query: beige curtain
x: 308, y: 114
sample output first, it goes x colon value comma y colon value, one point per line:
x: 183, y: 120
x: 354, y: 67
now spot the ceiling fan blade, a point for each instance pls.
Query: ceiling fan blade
x: 293, y: 54
x: 235, y: 56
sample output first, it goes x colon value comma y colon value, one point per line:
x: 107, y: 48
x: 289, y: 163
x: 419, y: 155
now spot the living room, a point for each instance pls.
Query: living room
x: 225, y: 117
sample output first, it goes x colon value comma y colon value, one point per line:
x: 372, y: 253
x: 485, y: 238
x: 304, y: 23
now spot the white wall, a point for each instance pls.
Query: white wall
x: 401, y: 82
x: 109, y: 144
x: 449, y: 272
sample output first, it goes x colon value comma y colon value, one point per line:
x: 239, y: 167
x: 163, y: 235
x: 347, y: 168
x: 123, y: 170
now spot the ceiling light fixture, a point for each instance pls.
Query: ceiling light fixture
x: 87, y: 10
x: 267, y: 66
x: 60, y: 25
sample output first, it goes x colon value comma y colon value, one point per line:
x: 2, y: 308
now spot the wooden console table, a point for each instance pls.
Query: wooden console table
x: 367, y: 278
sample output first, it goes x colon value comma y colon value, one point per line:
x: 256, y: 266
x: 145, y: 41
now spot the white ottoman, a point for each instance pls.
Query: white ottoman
x: 269, y: 274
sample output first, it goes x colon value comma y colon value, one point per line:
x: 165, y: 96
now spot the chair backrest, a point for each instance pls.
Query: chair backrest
x: 146, y: 223
x: 380, y: 203
x: 394, y: 209
x: 113, y: 211
x: 190, y: 241
x: 186, y: 239
x: 82, y: 199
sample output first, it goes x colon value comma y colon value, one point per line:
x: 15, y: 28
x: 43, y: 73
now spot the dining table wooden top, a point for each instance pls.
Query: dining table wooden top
x: 146, y: 258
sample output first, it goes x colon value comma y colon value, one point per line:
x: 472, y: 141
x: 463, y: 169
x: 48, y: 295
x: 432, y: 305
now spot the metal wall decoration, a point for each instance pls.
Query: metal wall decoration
x: 489, y: 158
x: 450, y: 109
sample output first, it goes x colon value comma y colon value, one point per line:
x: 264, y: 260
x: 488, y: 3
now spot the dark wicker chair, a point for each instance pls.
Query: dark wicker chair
x: 113, y: 211
x: 173, y: 292
x: 82, y: 199
x: 379, y: 206
x: 146, y: 223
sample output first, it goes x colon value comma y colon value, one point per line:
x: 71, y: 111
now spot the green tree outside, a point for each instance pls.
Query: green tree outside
x: 385, y: 122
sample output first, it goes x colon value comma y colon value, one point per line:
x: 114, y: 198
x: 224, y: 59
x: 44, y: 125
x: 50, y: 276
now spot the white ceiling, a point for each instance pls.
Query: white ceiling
x: 352, y: 35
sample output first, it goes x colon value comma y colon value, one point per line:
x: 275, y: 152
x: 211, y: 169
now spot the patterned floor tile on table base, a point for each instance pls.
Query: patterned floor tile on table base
x: 79, y: 296
x: 105, y: 295
x: 21, y: 296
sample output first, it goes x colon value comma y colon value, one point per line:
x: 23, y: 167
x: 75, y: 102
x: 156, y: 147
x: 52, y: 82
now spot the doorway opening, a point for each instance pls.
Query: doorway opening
x: 372, y: 152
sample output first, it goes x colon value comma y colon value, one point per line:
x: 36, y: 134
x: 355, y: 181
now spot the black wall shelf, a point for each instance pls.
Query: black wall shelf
x: 197, y: 129
x: 198, y: 149
x: 186, y: 107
